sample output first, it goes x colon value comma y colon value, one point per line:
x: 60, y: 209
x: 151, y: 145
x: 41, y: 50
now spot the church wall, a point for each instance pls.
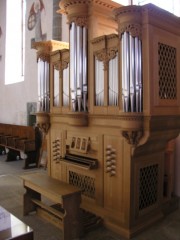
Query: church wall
x: 16, y: 96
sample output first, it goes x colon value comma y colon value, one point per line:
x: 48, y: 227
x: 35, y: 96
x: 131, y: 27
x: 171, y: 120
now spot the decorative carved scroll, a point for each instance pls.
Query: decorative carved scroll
x: 44, y: 127
x: 80, y: 21
x: 64, y: 64
x: 42, y: 121
x: 132, y: 137
x: 133, y: 29
x: 106, y: 55
x: 60, y: 66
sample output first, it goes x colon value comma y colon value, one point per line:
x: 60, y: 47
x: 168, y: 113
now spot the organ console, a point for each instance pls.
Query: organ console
x: 114, y: 106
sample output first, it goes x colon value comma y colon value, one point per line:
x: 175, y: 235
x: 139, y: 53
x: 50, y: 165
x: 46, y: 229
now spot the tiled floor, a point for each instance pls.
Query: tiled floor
x: 11, y: 194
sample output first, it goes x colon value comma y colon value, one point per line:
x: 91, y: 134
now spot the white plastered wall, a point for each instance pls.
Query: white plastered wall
x: 14, y: 97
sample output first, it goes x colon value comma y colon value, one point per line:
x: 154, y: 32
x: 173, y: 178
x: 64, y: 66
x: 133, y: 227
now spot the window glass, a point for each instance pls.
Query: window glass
x: 14, y: 52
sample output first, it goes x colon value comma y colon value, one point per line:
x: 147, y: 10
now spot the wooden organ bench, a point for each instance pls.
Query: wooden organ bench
x: 19, y: 140
x: 65, y: 212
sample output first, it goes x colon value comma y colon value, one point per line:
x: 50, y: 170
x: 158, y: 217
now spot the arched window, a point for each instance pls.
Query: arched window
x: 15, y: 41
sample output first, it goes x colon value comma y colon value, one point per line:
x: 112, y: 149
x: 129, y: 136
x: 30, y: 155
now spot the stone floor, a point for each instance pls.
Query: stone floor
x: 11, y: 194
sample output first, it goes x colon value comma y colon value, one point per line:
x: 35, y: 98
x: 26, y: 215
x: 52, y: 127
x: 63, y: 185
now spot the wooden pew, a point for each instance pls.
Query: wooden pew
x: 66, y: 199
x: 20, y: 140
x: 6, y: 131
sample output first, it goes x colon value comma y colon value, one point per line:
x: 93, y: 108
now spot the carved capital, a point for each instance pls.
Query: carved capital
x: 60, y: 66
x: 106, y: 55
x: 132, y: 137
x: 133, y: 28
x: 45, y: 57
x: 79, y: 21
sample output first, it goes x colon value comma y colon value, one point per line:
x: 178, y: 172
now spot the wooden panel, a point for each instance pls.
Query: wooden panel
x: 148, y: 183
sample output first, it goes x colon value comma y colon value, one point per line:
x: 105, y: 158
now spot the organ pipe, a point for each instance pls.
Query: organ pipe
x: 43, y: 86
x: 99, y: 83
x: 113, y: 81
x: 131, y: 73
x: 125, y: 79
x: 84, y: 68
x: 78, y: 67
x: 39, y: 85
x: 73, y: 82
x: 137, y: 72
x: 140, y: 77
x: 66, y: 87
x: 56, y: 87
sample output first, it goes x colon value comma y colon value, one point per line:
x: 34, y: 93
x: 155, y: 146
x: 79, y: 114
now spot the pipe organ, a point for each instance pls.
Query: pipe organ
x: 114, y: 109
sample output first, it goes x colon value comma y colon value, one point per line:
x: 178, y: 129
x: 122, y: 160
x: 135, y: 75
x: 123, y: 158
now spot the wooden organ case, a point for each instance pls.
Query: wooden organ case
x: 115, y: 110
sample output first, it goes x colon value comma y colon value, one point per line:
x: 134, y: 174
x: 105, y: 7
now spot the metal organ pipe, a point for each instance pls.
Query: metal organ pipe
x: 66, y: 86
x: 46, y: 89
x: 99, y: 82
x: 43, y: 86
x: 73, y: 65
x: 125, y: 71
x: 84, y: 57
x: 113, y: 81
x: 78, y: 67
x: 56, y: 87
x: 140, y: 76
x: 39, y: 85
x: 131, y: 73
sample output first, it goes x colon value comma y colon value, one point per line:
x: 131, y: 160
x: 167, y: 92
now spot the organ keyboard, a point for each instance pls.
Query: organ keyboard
x: 89, y: 163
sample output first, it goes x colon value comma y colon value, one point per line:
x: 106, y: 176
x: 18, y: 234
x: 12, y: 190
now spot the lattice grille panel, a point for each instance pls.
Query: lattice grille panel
x: 85, y: 183
x: 167, y: 72
x: 148, y: 186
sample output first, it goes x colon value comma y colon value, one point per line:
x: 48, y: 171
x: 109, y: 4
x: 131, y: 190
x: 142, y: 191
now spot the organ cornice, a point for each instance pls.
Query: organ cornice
x: 44, y: 48
x: 65, y: 5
